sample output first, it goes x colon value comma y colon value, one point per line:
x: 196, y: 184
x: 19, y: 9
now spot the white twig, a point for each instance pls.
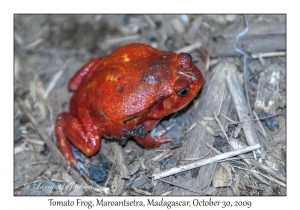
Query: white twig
x: 161, y: 155
x: 203, y: 162
x: 122, y: 39
x: 268, y: 54
x: 190, y: 128
x: 143, y: 192
x: 56, y: 77
x: 190, y: 48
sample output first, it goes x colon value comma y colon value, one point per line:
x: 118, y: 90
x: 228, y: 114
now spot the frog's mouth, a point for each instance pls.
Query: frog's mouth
x: 131, y: 119
x: 175, y: 103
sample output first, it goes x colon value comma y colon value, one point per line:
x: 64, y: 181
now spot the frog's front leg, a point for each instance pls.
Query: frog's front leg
x: 150, y: 142
x: 82, y: 133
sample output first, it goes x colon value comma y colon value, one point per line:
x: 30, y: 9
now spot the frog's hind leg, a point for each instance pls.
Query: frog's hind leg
x: 84, y: 73
x: 83, y: 136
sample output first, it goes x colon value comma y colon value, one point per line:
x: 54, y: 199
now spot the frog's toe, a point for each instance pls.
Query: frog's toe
x: 78, y: 161
x: 82, y: 169
x: 79, y: 166
x: 76, y: 153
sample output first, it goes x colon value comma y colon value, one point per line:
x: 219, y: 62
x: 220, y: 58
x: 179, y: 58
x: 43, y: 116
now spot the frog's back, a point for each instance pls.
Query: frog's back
x: 129, y: 81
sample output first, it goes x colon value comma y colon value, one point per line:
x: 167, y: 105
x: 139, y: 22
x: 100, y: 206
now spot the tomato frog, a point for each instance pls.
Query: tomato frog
x: 125, y: 94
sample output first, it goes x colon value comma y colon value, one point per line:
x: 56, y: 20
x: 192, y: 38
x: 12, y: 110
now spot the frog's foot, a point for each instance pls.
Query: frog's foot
x: 70, y: 154
x: 76, y: 154
x: 154, y: 133
x: 79, y: 160
x: 151, y: 142
x: 74, y: 160
x: 83, y: 171
x: 69, y: 127
x: 65, y: 148
x: 160, y: 140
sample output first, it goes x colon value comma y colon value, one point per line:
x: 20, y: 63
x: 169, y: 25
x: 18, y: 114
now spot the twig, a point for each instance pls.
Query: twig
x: 240, y: 104
x: 35, y: 141
x: 268, y: 54
x: 207, y: 128
x: 190, y: 128
x: 57, y: 52
x: 218, y: 121
x: 122, y: 39
x: 237, y: 122
x: 52, y: 147
x: 177, y: 185
x: 258, y: 165
x: 258, y: 129
x: 236, y: 182
x: 245, y: 159
x: 268, y: 170
x: 180, y: 150
x: 192, y: 159
x: 253, y: 172
x: 149, y: 21
x: 218, y: 152
x: 111, y: 169
x: 277, y: 130
x: 254, y: 183
x: 208, y: 118
x: 143, y: 192
x: 190, y: 48
x: 142, y: 162
x: 205, y: 161
x: 161, y: 155
x: 34, y: 44
x: 261, y: 127
x: 268, y: 177
x: 58, y: 74
x: 246, y: 83
x: 233, y: 122
x: 167, y: 193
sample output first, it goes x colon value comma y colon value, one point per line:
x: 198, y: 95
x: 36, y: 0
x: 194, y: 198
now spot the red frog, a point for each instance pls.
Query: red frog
x: 125, y: 94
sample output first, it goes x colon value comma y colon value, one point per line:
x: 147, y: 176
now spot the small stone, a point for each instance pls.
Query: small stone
x: 98, y: 171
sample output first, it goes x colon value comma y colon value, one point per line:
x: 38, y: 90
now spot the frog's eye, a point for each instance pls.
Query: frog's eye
x: 183, y: 92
